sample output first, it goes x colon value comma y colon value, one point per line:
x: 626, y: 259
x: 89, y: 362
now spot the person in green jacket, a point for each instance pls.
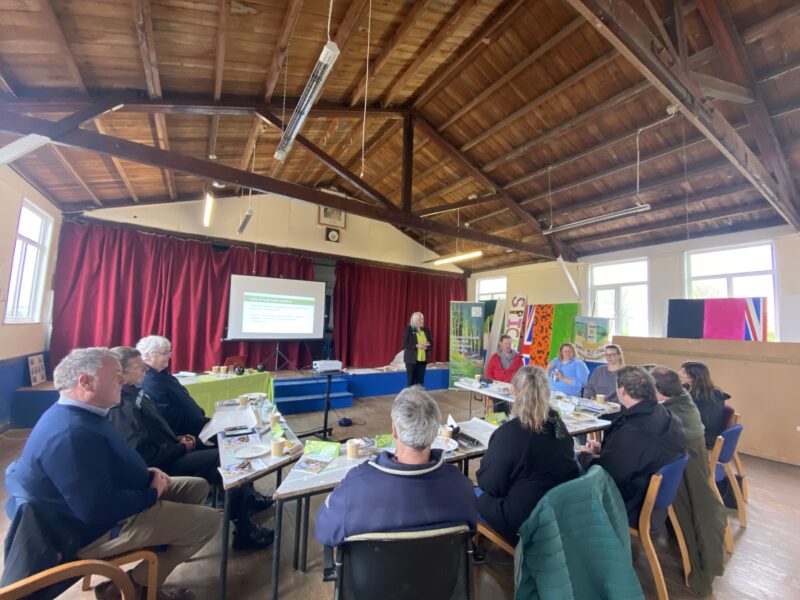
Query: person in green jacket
x: 699, y: 511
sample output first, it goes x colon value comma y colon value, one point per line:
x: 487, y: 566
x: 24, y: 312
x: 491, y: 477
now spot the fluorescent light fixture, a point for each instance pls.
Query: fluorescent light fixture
x: 453, y: 258
x: 248, y: 214
x: 330, y: 52
x: 218, y: 184
x: 19, y: 148
x: 208, y: 206
x: 633, y: 210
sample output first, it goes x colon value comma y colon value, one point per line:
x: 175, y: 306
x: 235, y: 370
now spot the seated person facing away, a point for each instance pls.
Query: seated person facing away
x: 527, y: 456
x: 603, y: 379
x: 640, y: 441
x: 710, y: 400
x: 410, y: 490
x: 568, y: 374
x: 77, y: 465
x: 503, y: 365
x: 172, y: 400
x: 146, y: 431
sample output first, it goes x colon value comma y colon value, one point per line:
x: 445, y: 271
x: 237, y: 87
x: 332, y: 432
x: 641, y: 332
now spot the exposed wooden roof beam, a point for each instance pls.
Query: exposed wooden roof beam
x: 480, y: 40
x: 88, y: 113
x: 219, y: 69
x: 621, y: 26
x: 143, y: 21
x: 726, y: 38
x: 407, y: 176
x: 58, y: 153
x: 381, y: 137
x: 157, y: 157
x: 376, y: 66
x: 719, y: 89
x: 442, y: 208
x: 445, y: 31
x: 326, y: 135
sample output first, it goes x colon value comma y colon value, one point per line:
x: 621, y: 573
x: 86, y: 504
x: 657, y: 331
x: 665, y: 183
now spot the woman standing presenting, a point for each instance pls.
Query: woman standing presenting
x: 417, y: 342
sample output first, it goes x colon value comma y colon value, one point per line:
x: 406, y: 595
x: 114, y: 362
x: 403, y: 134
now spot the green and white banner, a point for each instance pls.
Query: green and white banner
x: 466, y: 340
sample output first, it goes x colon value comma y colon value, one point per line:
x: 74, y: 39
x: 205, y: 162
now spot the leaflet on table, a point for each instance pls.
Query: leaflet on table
x: 222, y: 419
x: 241, y: 470
x: 497, y: 418
x: 231, y: 443
x: 316, y: 456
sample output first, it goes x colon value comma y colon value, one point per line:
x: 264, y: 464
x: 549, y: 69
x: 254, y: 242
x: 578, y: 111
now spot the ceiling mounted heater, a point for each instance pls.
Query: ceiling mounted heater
x: 330, y: 52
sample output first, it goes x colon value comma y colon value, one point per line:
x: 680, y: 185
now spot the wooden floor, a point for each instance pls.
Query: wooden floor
x: 765, y: 564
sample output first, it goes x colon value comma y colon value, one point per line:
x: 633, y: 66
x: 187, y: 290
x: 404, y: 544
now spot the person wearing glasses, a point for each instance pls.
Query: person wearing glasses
x: 604, y: 378
x: 172, y: 400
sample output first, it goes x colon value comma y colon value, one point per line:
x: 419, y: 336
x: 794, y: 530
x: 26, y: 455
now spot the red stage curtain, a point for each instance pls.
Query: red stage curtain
x: 114, y: 285
x: 372, y: 306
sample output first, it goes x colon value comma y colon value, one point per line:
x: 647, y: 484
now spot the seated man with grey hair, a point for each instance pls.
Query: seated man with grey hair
x: 77, y: 466
x: 411, y: 489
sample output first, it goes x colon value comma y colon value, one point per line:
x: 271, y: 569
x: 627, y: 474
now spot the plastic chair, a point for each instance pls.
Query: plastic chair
x: 123, y: 559
x: 660, y: 495
x: 720, y: 465
x: 433, y: 564
x: 65, y: 572
x: 733, y: 418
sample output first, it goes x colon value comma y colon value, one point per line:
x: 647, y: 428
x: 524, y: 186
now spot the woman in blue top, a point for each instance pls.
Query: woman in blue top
x: 567, y: 374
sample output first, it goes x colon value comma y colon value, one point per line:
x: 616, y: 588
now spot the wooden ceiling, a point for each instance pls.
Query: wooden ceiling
x: 524, y: 115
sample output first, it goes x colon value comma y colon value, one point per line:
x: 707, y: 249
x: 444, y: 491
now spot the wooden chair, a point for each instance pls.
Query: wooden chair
x: 79, y: 568
x: 123, y: 559
x: 234, y: 362
x: 720, y: 467
x: 660, y: 495
x: 490, y: 534
x: 733, y: 418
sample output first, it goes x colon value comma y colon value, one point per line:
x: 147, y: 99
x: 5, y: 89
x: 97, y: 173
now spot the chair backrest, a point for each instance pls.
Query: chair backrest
x: 418, y: 565
x: 235, y: 361
x: 730, y: 416
x: 671, y: 475
x: 730, y: 439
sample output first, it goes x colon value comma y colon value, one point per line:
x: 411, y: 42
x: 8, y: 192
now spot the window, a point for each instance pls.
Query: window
x: 491, y: 289
x: 619, y: 292
x: 744, y: 272
x: 28, y: 266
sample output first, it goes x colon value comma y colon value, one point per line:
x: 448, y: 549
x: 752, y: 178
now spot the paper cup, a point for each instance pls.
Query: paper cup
x: 278, y: 446
x: 223, y: 370
x: 601, y: 399
x: 244, y: 400
x: 447, y: 432
x: 215, y: 370
x: 353, y: 446
x: 478, y: 378
x: 274, y: 419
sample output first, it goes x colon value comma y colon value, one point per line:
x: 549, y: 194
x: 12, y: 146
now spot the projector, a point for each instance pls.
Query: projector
x: 327, y: 366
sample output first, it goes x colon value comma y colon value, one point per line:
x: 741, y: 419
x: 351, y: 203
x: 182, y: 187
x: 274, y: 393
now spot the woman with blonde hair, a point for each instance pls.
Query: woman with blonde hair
x: 568, y: 374
x: 526, y: 457
x: 417, y: 342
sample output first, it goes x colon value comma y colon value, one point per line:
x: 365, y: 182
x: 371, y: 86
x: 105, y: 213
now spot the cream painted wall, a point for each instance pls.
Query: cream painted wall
x: 21, y: 339
x: 546, y: 283
x: 281, y: 222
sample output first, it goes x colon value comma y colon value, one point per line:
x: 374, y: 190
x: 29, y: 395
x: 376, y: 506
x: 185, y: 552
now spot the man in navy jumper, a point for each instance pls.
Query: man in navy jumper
x: 411, y: 489
x: 77, y: 465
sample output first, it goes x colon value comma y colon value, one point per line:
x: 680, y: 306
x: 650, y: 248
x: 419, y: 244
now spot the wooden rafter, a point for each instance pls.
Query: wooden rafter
x: 726, y: 38
x: 59, y: 154
x: 157, y: 157
x: 407, y: 177
x: 445, y: 32
x: 443, y: 208
x: 143, y: 21
x: 376, y: 66
x: 219, y: 69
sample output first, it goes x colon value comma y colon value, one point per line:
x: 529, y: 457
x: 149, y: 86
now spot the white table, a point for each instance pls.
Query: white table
x: 235, y: 415
x: 475, y: 388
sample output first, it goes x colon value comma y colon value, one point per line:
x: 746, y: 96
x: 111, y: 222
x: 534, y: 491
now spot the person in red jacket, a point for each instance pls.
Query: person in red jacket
x: 503, y: 365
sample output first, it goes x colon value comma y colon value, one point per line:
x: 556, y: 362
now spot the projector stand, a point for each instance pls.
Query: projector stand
x: 278, y: 355
x: 325, y: 431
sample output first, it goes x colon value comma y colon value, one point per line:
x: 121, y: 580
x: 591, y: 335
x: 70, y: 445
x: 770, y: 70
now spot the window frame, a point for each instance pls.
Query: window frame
x: 729, y: 277
x: 490, y: 295
x: 593, y: 289
x: 42, y: 246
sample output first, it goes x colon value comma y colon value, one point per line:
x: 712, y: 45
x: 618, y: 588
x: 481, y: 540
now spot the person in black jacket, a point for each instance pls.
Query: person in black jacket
x: 417, y: 342
x: 644, y: 438
x: 527, y: 456
x: 172, y: 400
x: 710, y: 400
x: 145, y: 430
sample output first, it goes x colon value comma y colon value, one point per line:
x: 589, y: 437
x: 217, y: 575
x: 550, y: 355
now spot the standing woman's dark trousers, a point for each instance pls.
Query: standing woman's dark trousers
x: 415, y: 373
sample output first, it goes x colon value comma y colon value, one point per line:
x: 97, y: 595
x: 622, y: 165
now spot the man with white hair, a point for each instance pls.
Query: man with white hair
x: 408, y: 490
x: 76, y: 465
x: 173, y: 401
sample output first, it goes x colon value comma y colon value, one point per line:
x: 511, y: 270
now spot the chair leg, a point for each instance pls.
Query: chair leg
x: 87, y: 583
x: 687, y: 566
x: 740, y: 469
x: 737, y: 493
x: 655, y: 566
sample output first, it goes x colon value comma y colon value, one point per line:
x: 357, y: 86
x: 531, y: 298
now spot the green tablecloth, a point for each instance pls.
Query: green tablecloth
x: 207, y: 389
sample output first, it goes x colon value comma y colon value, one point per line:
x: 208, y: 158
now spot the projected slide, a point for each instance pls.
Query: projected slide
x: 276, y: 313
x: 270, y: 308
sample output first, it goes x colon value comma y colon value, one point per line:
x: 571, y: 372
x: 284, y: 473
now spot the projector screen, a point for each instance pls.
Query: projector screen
x: 265, y: 308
